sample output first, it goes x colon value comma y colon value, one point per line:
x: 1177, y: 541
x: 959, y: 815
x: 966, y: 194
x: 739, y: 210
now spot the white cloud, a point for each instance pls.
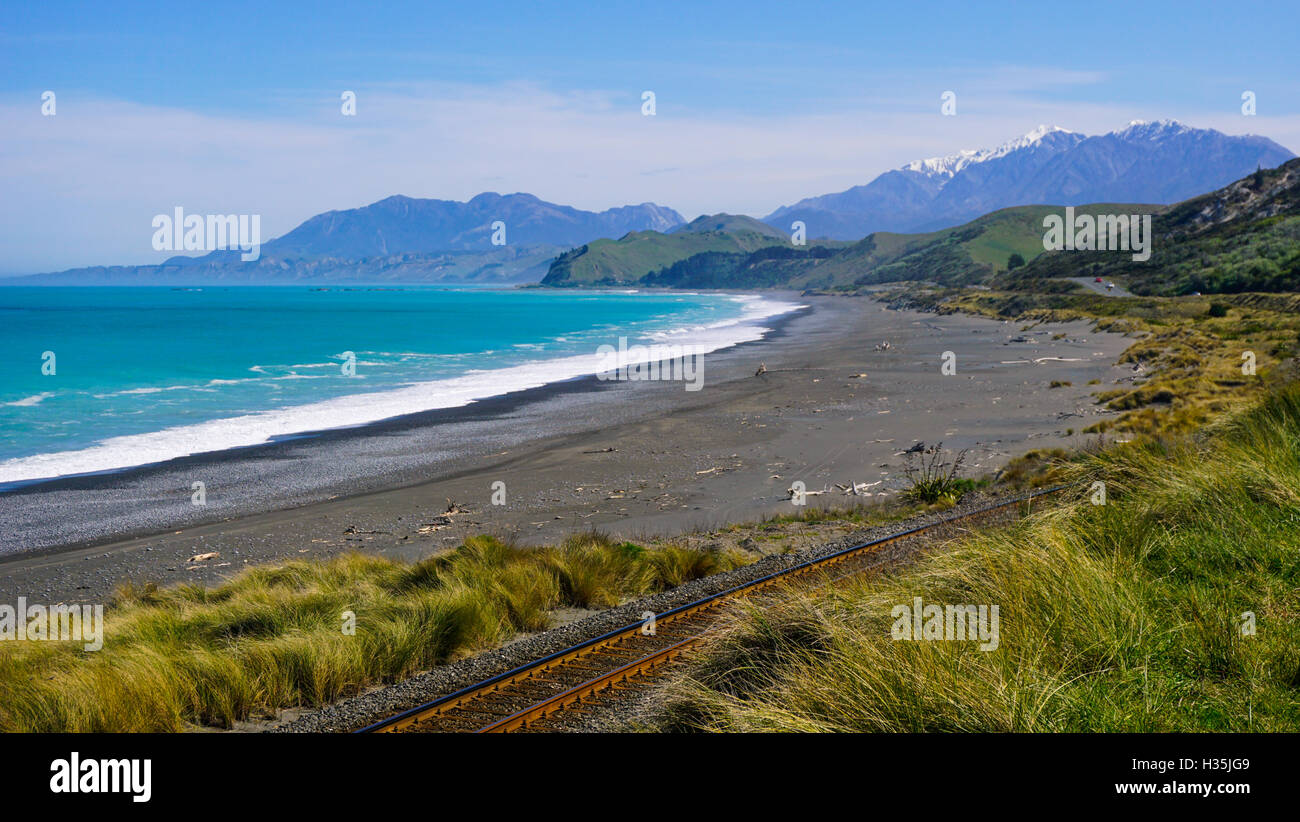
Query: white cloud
x: 82, y: 186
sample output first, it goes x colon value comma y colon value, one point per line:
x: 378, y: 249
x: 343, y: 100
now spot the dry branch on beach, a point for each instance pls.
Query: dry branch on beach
x: 858, y: 489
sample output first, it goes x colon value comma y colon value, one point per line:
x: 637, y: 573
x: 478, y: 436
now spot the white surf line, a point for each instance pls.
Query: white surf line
x: 358, y: 409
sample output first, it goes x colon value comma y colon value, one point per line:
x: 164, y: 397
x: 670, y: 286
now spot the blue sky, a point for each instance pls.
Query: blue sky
x: 234, y: 107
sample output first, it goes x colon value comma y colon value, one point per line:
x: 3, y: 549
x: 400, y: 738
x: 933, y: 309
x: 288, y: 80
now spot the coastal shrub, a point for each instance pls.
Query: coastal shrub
x: 594, y: 572
x: 675, y: 565
x: 933, y: 479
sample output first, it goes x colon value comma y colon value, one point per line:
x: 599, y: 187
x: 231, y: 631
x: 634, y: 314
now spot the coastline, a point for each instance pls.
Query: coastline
x: 144, y: 485
x: 681, y: 460
x: 243, y: 421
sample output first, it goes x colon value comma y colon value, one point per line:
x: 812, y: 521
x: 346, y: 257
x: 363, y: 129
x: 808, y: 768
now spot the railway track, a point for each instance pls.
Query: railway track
x: 531, y: 696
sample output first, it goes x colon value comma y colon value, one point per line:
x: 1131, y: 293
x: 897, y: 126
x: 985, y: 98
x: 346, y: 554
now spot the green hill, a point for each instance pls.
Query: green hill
x: 731, y: 224
x: 730, y: 251
x: 1243, y: 237
x: 634, y: 255
x: 966, y: 254
x: 774, y: 266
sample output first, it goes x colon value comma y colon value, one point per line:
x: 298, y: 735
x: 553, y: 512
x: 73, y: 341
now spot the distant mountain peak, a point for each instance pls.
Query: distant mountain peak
x: 729, y: 223
x: 950, y: 165
x: 1161, y: 161
x: 401, y: 224
x: 1154, y: 129
x: 1163, y: 122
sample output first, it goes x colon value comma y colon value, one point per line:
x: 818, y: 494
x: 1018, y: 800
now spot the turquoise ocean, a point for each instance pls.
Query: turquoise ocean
x: 100, y: 379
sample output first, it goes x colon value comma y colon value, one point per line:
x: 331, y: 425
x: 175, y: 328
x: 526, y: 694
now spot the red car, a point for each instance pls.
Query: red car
x: 1097, y: 280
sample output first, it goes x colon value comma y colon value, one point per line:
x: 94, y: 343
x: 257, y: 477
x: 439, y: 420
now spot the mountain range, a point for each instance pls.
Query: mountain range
x: 399, y: 239
x: 405, y: 225
x: 405, y: 239
x: 1244, y: 236
x: 1148, y: 162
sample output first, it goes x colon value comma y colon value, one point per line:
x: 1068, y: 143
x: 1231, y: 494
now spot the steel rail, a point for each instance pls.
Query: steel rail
x: 653, y: 659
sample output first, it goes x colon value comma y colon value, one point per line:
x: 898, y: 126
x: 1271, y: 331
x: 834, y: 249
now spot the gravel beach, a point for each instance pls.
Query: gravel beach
x: 635, y: 459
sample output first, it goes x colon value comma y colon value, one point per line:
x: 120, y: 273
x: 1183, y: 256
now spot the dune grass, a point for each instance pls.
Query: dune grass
x: 274, y: 636
x: 1127, y: 616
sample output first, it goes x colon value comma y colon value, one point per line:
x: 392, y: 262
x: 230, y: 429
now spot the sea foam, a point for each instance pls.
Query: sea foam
x: 359, y: 409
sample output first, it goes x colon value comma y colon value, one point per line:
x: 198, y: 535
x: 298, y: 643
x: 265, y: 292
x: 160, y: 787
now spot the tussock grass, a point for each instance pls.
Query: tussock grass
x: 873, y: 511
x: 1120, y: 617
x: 1189, y: 359
x: 273, y: 636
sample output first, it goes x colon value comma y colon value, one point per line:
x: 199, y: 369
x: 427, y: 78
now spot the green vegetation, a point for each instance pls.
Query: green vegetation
x: 626, y: 260
x: 638, y: 253
x: 726, y: 251
x: 768, y: 267
x: 933, y: 479
x: 964, y: 255
x: 1172, y: 607
x: 1244, y: 237
x: 273, y: 636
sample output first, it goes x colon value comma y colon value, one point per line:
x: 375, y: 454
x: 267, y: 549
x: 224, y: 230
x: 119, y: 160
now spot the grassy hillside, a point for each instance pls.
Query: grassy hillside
x: 630, y: 258
x: 1172, y: 607
x: 769, y: 267
x: 1244, y: 237
x: 726, y: 251
x: 967, y: 254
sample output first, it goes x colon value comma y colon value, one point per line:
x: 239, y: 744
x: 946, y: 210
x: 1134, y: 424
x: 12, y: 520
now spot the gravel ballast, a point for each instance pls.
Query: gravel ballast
x: 362, y: 710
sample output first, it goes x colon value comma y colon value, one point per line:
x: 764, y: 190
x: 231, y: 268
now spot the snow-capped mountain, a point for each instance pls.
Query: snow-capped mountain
x: 953, y: 163
x: 1146, y: 162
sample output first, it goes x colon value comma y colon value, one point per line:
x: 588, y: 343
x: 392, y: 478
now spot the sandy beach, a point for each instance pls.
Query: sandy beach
x: 634, y: 459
